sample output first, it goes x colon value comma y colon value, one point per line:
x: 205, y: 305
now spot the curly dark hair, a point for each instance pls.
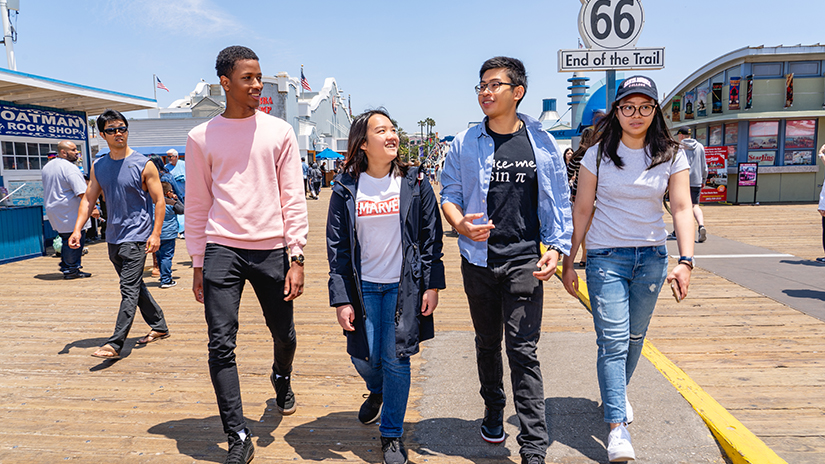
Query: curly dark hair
x: 227, y: 58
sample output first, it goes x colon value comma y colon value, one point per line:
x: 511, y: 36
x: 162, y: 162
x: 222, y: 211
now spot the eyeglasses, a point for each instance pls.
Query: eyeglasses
x: 116, y: 130
x: 644, y: 110
x: 492, y: 86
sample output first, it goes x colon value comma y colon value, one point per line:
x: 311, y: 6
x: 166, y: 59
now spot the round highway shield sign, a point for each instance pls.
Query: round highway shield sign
x: 611, y: 24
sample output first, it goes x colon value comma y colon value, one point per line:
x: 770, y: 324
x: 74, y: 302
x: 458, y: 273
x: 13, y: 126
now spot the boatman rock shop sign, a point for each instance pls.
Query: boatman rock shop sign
x: 609, y: 30
x: 35, y: 122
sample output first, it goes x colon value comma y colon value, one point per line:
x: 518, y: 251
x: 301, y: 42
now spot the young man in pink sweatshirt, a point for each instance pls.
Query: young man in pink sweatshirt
x: 246, y: 219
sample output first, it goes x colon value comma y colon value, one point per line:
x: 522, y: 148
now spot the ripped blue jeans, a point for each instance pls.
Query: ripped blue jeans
x: 623, y: 284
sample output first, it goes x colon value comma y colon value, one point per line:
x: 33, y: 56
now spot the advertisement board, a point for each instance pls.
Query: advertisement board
x: 716, y: 187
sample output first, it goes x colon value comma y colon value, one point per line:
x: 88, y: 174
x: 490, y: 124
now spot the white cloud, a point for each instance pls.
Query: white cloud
x: 189, y: 17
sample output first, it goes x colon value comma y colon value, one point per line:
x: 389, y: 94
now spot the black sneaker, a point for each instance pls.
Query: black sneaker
x: 394, y: 452
x: 240, y: 451
x: 492, y: 427
x: 284, y: 397
x: 77, y: 275
x: 371, y: 409
x: 703, y: 234
x: 532, y: 459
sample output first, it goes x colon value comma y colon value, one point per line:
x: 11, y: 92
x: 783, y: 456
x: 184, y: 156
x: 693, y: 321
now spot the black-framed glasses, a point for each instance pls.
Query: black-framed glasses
x: 492, y: 86
x: 644, y: 110
x: 116, y: 130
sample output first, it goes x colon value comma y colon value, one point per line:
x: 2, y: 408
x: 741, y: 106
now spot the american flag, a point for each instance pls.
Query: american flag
x: 160, y: 84
x: 304, y: 81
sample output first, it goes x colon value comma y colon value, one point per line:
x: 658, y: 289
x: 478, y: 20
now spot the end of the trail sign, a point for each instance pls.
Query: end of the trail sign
x: 603, y: 60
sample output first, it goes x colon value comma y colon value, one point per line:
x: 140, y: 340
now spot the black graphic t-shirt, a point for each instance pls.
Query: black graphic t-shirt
x: 512, y: 201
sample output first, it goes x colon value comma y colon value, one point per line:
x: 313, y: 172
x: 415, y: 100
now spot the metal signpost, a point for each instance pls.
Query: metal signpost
x: 610, y: 30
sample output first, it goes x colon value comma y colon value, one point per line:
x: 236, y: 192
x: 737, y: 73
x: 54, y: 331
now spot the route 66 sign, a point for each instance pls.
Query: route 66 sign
x: 611, y: 24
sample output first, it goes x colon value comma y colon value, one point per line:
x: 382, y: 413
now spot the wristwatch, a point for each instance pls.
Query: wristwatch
x: 557, y: 250
x: 297, y: 259
x: 687, y: 261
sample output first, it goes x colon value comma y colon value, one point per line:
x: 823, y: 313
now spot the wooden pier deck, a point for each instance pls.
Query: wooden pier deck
x: 761, y: 360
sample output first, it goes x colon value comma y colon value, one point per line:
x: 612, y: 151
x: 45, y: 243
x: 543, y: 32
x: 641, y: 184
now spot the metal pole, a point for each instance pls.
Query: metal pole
x: 154, y: 83
x: 4, y: 12
x: 611, y: 87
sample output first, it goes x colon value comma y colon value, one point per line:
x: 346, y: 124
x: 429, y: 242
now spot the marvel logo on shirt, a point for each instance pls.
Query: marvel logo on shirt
x: 378, y: 227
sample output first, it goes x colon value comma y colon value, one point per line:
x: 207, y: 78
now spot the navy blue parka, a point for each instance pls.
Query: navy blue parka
x: 421, y: 267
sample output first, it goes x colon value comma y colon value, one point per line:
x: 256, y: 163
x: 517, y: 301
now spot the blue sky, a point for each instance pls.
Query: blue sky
x: 418, y: 59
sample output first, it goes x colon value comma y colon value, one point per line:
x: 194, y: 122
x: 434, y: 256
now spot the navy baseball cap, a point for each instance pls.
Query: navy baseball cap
x: 637, y: 84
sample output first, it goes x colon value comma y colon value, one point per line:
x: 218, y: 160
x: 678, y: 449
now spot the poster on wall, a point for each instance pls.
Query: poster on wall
x: 763, y: 134
x: 731, y: 133
x: 749, y: 94
x: 716, y: 98
x: 798, y: 157
x: 676, y: 108
x: 701, y: 102
x: 763, y: 157
x: 733, y: 93
x: 690, y: 98
x: 715, y: 135
x: 702, y: 135
x: 800, y: 133
x: 747, y: 174
x: 715, y: 189
x: 30, y: 195
x: 789, y: 90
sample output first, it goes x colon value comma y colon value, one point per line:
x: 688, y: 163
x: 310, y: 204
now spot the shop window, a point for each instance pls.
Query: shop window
x: 731, y: 133
x: 800, y: 139
x: 767, y: 69
x: 715, y: 136
x: 763, y: 142
x: 26, y: 156
x: 8, y: 163
x: 804, y: 68
x: 735, y: 71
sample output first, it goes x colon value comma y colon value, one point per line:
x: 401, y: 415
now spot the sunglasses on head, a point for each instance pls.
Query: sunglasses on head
x: 116, y: 130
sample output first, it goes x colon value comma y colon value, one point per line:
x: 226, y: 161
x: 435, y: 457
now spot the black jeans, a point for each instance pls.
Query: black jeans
x: 129, y: 259
x: 70, y: 257
x: 225, y: 270
x: 506, y: 300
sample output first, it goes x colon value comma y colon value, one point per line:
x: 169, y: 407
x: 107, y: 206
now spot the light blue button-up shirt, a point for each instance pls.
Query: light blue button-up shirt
x: 465, y: 182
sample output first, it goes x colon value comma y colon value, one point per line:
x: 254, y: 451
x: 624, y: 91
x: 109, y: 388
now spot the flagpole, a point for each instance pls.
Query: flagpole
x: 302, y: 79
x: 154, y: 86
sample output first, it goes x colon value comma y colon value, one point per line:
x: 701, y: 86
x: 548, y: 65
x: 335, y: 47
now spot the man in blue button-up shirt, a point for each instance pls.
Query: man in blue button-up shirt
x: 505, y: 192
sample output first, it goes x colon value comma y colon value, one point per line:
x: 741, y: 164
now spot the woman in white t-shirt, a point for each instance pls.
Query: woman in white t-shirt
x: 384, y: 250
x: 632, y: 164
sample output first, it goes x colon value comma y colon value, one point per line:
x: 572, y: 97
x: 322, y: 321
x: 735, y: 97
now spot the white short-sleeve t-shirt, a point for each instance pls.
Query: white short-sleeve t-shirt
x: 378, y: 225
x: 629, y: 200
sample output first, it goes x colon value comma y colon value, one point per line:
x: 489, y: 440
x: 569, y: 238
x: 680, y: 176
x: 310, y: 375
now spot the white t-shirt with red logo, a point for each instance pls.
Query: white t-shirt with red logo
x: 379, y: 228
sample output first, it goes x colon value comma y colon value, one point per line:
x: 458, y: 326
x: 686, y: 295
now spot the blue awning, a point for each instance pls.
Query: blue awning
x: 329, y: 154
x: 161, y: 150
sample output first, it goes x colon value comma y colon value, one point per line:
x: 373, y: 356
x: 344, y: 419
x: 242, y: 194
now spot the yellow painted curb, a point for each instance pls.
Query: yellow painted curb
x: 739, y: 443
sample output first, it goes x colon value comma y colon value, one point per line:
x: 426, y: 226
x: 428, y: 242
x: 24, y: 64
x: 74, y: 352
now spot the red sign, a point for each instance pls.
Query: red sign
x: 715, y: 189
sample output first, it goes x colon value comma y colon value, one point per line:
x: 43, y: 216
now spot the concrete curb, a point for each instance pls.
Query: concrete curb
x: 739, y: 443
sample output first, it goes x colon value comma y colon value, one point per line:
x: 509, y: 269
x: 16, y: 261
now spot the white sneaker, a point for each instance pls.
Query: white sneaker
x: 628, y: 410
x: 619, y: 447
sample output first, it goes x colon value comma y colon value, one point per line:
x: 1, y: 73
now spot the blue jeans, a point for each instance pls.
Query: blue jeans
x: 623, y: 284
x: 70, y: 257
x: 384, y: 372
x: 165, y: 254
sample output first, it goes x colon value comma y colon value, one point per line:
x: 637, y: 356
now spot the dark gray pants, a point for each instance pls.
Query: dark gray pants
x: 225, y: 270
x: 129, y: 259
x: 506, y: 302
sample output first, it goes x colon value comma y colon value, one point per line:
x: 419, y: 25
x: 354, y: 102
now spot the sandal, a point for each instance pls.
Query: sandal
x: 106, y: 352
x: 153, y: 336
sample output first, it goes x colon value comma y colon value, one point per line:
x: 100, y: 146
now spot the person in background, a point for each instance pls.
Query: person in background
x: 168, y: 235
x: 568, y: 155
x: 384, y: 278
x: 586, y: 141
x: 504, y: 190
x: 822, y: 204
x: 232, y: 240
x: 63, y: 189
x: 315, y: 180
x: 305, y: 172
x: 625, y: 174
x: 698, y: 177
x: 177, y: 167
x: 131, y: 184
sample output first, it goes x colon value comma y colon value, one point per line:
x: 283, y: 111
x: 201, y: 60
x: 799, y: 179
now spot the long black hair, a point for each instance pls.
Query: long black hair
x: 356, y: 160
x: 660, y: 147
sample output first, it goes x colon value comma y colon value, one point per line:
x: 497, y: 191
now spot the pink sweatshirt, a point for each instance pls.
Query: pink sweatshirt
x: 244, y: 186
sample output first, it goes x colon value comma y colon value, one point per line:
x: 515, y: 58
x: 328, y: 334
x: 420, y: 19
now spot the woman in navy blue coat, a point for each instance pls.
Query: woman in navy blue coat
x: 384, y: 248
